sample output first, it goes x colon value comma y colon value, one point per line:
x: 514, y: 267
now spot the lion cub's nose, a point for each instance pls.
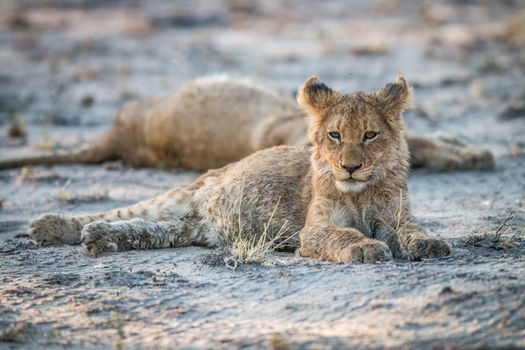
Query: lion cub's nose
x: 351, y: 168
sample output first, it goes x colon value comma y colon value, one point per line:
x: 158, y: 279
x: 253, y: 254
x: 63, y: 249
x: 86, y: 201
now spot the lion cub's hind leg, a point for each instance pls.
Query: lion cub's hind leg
x: 101, y: 236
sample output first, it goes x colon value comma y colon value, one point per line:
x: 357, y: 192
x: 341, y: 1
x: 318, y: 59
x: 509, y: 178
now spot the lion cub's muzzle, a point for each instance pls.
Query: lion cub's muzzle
x: 356, y: 172
x: 363, y: 173
x: 353, y: 179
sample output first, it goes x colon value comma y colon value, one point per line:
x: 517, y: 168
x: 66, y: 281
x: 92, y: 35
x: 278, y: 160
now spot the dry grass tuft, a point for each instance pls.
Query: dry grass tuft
x: 276, y: 342
x: 87, y: 101
x: 516, y: 151
x: 401, y: 227
x: 12, y: 334
x: 503, y: 238
x: 22, y: 235
x: 251, y: 248
x: 17, y: 129
x: 26, y: 173
x: 46, y: 143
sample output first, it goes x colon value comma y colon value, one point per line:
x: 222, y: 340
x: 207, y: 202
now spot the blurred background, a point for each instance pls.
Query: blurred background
x: 66, y: 66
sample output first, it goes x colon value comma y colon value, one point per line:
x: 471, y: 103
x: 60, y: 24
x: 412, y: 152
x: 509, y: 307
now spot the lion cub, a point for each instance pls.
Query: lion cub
x: 346, y: 195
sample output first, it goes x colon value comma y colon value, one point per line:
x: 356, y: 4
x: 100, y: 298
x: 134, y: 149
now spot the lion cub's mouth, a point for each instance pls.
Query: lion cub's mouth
x: 356, y: 182
x: 351, y: 185
x: 351, y: 179
x: 361, y: 175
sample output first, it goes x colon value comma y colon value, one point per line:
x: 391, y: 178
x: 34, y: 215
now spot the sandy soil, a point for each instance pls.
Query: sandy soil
x: 67, y: 66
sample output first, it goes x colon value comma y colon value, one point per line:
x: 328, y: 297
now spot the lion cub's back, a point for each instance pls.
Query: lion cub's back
x: 272, y: 181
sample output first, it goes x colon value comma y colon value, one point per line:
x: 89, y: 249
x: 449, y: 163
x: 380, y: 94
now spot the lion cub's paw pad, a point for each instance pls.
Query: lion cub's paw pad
x: 428, y: 248
x: 96, y: 239
x: 54, y: 229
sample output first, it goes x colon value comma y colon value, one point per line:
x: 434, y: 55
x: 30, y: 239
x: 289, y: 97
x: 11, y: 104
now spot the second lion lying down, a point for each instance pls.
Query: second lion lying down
x: 211, y: 122
x: 346, y: 195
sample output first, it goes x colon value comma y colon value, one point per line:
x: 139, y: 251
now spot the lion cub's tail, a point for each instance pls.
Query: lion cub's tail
x: 100, y: 152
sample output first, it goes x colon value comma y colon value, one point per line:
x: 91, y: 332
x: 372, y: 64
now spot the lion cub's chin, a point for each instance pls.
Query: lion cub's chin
x: 351, y: 185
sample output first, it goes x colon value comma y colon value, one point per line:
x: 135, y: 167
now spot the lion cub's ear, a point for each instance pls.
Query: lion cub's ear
x: 314, y: 96
x: 394, y: 99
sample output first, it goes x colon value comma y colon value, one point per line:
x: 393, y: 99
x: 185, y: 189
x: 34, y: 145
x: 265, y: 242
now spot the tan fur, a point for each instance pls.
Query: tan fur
x: 340, y: 215
x: 212, y: 122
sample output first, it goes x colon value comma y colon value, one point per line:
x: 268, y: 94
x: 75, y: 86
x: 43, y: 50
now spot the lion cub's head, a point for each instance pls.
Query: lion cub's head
x: 357, y: 137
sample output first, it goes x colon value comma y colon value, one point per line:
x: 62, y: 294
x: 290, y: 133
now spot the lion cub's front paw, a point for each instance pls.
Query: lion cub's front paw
x: 54, y: 229
x: 426, y: 247
x: 96, y: 238
x: 367, y: 251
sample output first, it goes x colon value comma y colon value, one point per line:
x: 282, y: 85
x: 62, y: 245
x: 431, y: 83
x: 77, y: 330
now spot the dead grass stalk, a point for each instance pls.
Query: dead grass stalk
x: 503, y: 238
x: 250, y: 248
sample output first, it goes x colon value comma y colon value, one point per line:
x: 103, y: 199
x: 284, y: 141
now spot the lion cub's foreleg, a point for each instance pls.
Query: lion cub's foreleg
x: 416, y: 244
x: 321, y: 239
x: 411, y: 241
x: 102, y: 236
x: 341, y: 245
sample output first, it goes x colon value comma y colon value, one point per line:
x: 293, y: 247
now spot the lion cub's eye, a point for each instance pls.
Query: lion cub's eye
x: 334, y: 135
x: 369, y: 135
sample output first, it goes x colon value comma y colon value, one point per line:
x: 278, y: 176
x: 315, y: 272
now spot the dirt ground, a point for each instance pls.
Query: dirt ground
x: 67, y: 66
